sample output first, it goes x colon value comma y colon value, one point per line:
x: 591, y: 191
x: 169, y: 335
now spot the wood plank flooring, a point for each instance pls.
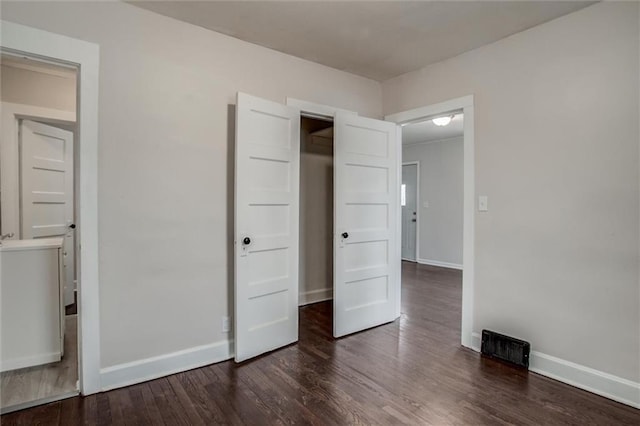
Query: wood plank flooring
x: 43, y: 381
x: 412, y: 371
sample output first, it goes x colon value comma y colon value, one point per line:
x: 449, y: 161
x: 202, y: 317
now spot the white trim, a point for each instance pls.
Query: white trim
x: 34, y: 403
x: 420, y: 114
x: 417, y: 164
x: 582, y: 377
x: 476, y: 341
x: 14, y: 364
x: 68, y: 73
x: 10, y: 113
x: 432, y: 141
x: 440, y: 264
x: 57, y: 48
x: 315, y: 296
x: 589, y: 379
x: 159, y: 366
x: 465, y: 104
x: 314, y: 110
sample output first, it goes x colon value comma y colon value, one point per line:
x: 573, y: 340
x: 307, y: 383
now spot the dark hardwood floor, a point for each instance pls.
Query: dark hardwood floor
x: 412, y: 371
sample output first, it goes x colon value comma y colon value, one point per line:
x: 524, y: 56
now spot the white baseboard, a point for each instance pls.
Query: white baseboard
x: 35, y: 402
x: 476, y: 341
x: 152, y: 368
x: 315, y: 296
x: 595, y: 381
x: 440, y: 264
x: 14, y: 364
x: 589, y: 379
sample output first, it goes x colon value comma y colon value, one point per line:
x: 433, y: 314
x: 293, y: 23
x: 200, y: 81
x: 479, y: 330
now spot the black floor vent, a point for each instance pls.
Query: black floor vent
x: 506, y: 348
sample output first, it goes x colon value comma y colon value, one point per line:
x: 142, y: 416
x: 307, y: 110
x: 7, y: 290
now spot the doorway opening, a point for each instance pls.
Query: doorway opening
x: 444, y: 113
x: 316, y: 245
x: 38, y: 251
x: 433, y: 178
x: 432, y: 213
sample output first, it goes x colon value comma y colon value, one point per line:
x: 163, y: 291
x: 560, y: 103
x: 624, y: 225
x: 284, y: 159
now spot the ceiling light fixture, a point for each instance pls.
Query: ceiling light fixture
x: 442, y: 121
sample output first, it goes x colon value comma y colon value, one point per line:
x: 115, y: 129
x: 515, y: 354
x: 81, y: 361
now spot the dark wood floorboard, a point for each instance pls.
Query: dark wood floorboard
x: 412, y: 371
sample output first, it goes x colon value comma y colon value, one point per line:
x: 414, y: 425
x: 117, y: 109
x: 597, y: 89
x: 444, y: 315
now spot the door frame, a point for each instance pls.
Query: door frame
x: 324, y: 113
x: 417, y: 164
x: 314, y: 110
x: 466, y: 104
x: 84, y: 56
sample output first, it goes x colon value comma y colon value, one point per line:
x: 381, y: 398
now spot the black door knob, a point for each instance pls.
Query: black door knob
x: 246, y: 241
x: 345, y: 235
x: 72, y: 226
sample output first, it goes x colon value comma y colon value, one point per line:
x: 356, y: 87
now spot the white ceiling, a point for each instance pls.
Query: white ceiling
x: 375, y: 39
x: 426, y: 131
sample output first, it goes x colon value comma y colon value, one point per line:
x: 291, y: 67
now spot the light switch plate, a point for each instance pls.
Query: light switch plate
x: 483, y: 203
x: 425, y: 204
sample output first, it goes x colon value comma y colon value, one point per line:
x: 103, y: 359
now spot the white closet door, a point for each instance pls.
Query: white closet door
x: 46, y: 181
x: 366, y: 182
x: 267, y: 179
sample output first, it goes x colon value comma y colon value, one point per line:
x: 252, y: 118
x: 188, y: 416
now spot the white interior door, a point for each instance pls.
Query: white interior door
x: 46, y: 190
x: 267, y: 179
x: 366, y: 276
x: 409, y: 211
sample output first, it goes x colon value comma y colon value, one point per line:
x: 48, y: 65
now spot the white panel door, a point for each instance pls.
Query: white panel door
x: 266, y: 226
x: 409, y: 211
x: 46, y: 190
x: 366, y: 188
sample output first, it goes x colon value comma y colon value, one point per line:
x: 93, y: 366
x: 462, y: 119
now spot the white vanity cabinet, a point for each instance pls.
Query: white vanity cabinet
x: 31, y: 303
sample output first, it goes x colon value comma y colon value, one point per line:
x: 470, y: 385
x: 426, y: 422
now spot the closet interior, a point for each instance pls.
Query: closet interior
x: 316, y: 211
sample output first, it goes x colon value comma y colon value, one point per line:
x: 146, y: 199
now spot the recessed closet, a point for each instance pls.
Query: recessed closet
x: 316, y: 208
x: 316, y: 211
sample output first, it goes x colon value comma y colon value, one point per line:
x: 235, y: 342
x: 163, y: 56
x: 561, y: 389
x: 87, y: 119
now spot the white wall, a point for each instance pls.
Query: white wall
x: 22, y: 86
x: 441, y: 186
x: 165, y: 164
x: 556, y: 140
x: 316, y: 217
